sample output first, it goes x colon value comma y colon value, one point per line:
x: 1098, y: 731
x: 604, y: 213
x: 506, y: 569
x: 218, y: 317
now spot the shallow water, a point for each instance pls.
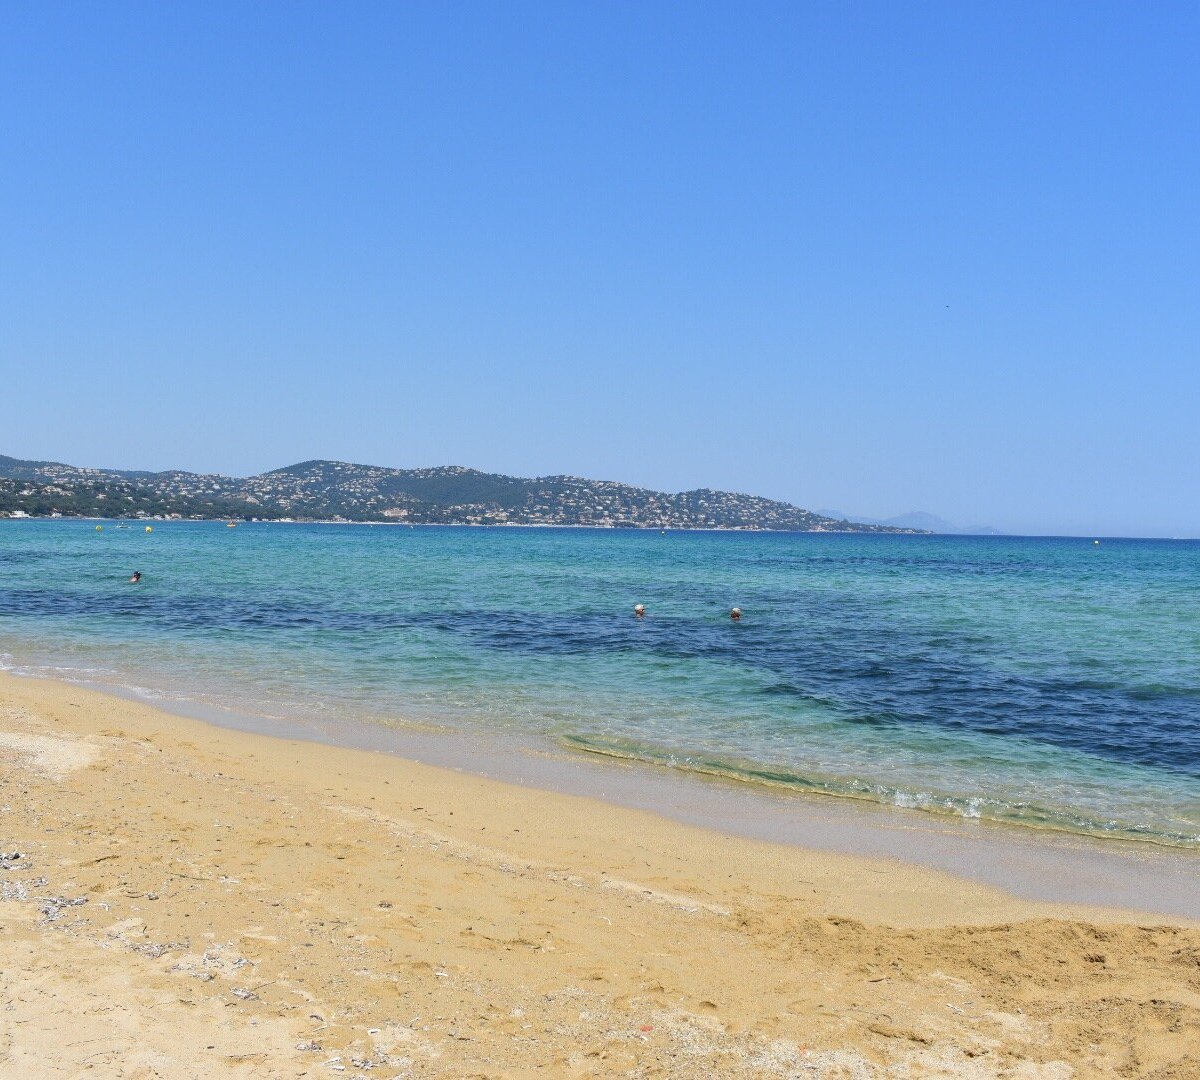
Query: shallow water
x: 1047, y: 682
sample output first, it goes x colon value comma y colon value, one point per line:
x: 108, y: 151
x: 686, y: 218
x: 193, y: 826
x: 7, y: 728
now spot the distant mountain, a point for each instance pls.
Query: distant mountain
x: 921, y: 521
x: 340, y: 491
x: 927, y: 522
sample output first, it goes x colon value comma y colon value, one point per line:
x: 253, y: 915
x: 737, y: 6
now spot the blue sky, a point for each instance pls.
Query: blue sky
x: 877, y: 257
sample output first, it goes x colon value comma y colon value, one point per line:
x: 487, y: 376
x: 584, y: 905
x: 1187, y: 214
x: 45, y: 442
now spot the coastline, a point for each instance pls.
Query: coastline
x: 248, y: 894
x: 1038, y: 864
x: 374, y: 523
x: 625, y: 527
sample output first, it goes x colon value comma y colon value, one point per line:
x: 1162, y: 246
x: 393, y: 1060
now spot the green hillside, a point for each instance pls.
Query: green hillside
x: 338, y: 490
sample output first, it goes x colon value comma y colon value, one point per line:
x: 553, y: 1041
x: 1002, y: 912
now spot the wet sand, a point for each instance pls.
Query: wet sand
x: 194, y: 901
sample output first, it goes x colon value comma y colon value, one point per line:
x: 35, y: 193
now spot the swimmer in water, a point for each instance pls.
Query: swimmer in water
x: 736, y: 614
x: 639, y: 610
x: 137, y: 576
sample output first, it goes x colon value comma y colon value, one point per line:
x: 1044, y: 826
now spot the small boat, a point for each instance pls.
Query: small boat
x: 231, y: 524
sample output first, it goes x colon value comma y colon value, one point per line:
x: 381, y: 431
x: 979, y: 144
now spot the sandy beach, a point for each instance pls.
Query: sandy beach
x: 181, y: 900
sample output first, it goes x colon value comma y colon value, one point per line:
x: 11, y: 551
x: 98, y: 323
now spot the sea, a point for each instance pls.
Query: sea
x: 1049, y: 683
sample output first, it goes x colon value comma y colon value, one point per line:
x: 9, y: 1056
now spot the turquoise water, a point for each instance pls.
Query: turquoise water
x: 1048, y: 682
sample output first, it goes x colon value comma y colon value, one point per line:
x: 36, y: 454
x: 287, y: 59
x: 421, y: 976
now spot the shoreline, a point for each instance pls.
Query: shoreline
x: 1041, y: 864
x: 498, y: 525
x: 625, y: 528
x: 210, y: 901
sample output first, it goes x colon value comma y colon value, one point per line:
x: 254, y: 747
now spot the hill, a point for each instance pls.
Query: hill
x: 919, y: 521
x: 341, y: 491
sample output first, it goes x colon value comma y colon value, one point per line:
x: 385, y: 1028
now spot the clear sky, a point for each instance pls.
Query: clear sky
x: 871, y: 256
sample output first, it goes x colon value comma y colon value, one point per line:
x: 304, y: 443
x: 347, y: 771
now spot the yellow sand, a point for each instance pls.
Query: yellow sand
x: 257, y: 907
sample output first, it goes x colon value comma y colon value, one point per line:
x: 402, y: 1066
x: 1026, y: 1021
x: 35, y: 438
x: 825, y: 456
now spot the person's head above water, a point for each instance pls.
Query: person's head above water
x: 137, y: 576
x: 639, y: 610
x: 736, y: 614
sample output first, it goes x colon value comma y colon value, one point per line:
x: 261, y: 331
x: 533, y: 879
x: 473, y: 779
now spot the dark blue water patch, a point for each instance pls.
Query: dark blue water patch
x: 866, y: 675
x: 537, y: 633
x: 1180, y: 694
x: 23, y: 556
x: 851, y: 658
x: 212, y: 611
x: 528, y: 632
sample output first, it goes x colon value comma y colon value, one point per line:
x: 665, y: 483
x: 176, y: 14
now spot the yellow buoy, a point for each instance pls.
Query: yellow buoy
x: 149, y: 528
x: 99, y: 528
